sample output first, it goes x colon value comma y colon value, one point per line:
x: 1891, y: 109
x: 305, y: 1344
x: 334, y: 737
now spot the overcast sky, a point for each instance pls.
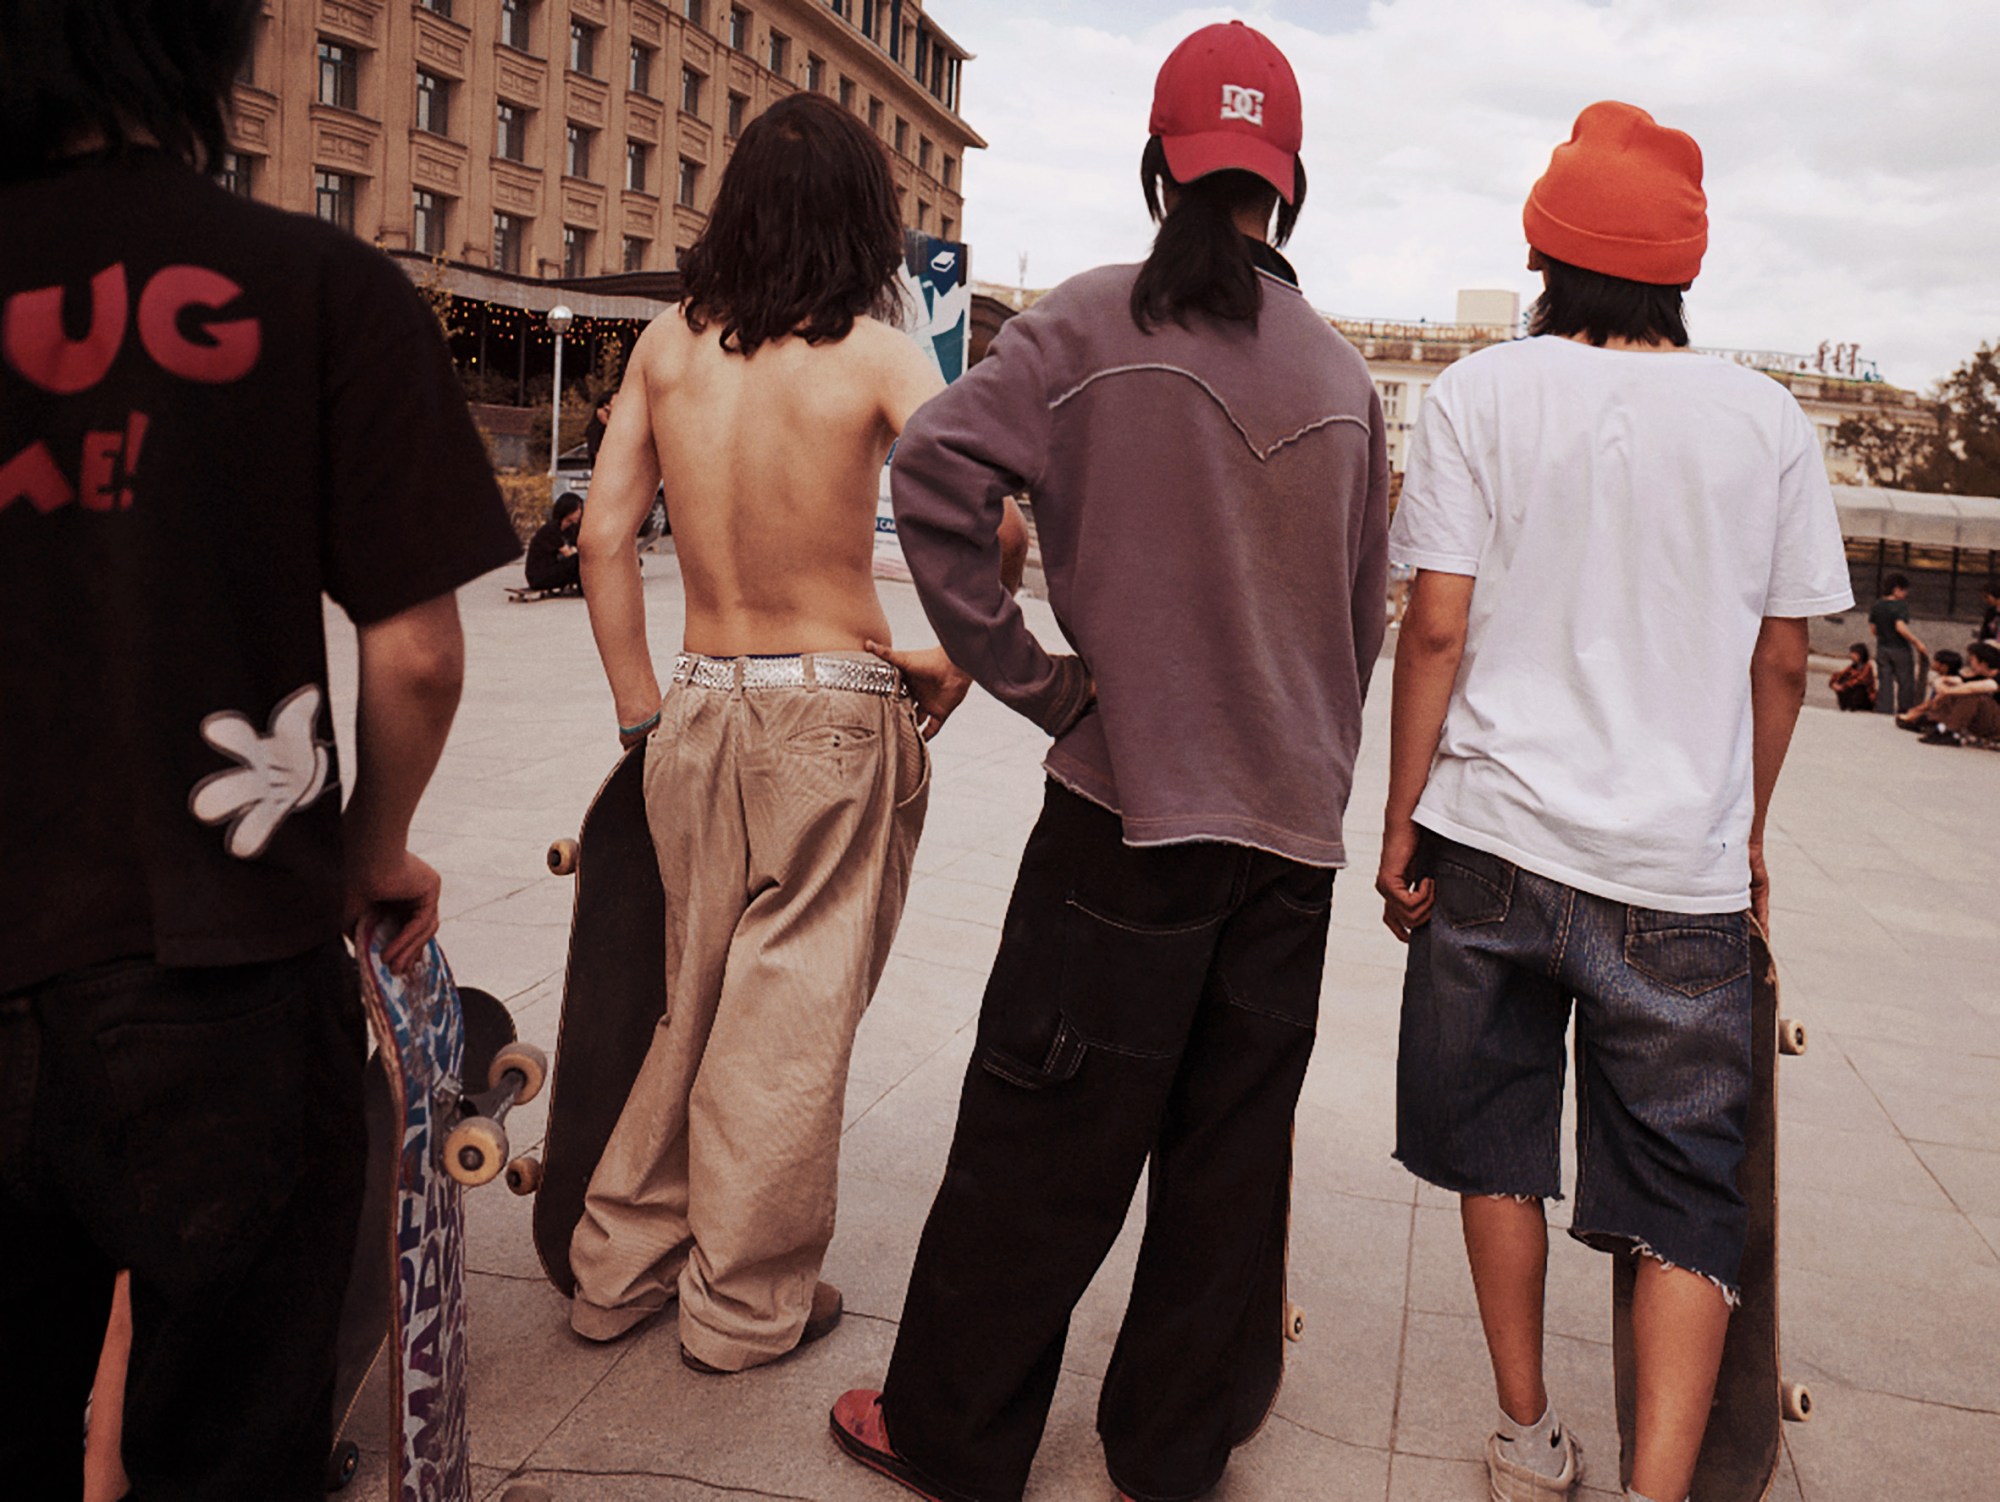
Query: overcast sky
x: 1853, y: 159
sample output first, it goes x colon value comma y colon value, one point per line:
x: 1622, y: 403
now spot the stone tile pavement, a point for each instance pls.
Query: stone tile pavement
x: 1884, y: 860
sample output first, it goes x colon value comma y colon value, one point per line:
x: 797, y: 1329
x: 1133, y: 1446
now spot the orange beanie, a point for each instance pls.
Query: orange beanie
x: 1622, y: 197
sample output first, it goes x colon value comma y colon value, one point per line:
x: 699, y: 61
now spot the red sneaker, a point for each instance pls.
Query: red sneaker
x: 859, y: 1430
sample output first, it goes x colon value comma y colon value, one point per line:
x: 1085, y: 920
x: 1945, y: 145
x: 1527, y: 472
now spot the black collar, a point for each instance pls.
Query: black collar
x: 1266, y: 258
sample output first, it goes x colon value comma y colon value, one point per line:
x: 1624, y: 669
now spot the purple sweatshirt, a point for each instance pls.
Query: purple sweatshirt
x: 1212, y: 505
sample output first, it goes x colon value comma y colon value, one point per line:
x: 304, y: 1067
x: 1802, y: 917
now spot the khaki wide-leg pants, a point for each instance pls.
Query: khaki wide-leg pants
x: 785, y: 820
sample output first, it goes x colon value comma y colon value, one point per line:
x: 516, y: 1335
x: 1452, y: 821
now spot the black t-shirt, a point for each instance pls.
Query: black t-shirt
x: 1989, y: 624
x: 210, y: 413
x: 1883, y: 616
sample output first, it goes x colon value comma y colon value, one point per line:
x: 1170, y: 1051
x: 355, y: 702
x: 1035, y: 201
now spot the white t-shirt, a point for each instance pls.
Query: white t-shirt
x: 1630, y: 518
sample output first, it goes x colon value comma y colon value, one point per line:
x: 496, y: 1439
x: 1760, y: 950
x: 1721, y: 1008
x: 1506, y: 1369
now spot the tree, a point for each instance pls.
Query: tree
x: 1967, y: 456
x: 1893, y: 454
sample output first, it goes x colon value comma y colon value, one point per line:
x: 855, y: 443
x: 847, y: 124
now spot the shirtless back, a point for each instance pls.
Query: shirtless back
x: 773, y: 463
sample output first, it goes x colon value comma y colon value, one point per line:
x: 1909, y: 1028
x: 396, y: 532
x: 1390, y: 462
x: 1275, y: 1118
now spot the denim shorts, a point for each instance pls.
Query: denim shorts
x: 1663, y: 1033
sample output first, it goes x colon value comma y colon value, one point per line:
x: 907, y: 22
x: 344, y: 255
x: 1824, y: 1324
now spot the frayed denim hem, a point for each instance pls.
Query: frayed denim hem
x: 1640, y: 1247
x: 1452, y: 1186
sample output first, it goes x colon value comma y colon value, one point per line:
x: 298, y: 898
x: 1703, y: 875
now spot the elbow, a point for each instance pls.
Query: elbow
x: 1433, y: 641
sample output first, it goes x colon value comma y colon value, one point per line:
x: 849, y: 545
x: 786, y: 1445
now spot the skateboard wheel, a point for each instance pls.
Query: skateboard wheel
x: 1797, y: 1400
x: 475, y: 1151
x: 1295, y: 1322
x: 1791, y: 1035
x: 524, y: 1175
x: 562, y: 857
x: 529, y: 1060
x: 341, y: 1466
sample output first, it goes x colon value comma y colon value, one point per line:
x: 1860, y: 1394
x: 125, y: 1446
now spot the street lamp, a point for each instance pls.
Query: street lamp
x: 560, y: 318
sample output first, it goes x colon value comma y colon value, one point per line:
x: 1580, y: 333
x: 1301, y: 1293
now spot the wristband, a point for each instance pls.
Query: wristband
x: 642, y: 727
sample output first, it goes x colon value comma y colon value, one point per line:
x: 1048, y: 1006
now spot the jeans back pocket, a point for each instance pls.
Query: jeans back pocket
x: 1687, y: 952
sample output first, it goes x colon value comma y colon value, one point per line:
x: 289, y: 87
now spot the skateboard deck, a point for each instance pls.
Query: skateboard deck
x: 437, y: 1138
x: 1740, y: 1452
x: 365, y: 1316
x: 528, y: 595
x: 614, y: 994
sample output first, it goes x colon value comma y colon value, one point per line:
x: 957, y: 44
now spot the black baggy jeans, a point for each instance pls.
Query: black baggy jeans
x: 202, y: 1128
x: 1146, y: 1004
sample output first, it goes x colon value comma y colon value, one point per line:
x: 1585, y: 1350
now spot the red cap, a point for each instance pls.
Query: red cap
x: 1226, y: 98
x: 1623, y: 197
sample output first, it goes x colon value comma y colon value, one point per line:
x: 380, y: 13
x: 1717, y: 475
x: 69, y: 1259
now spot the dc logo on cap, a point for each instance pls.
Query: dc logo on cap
x: 1242, y: 104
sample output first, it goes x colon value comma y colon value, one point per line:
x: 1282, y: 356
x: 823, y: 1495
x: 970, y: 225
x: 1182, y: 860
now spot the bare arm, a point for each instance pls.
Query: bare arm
x: 412, y: 667
x: 1777, y: 690
x: 621, y: 490
x: 1903, y: 630
x: 1427, y: 658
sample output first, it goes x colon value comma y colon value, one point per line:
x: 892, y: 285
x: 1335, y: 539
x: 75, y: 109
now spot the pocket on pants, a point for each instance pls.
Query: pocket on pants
x: 1473, y: 888
x: 913, y: 760
x: 1691, y: 953
x: 1130, y: 987
x: 210, y: 1128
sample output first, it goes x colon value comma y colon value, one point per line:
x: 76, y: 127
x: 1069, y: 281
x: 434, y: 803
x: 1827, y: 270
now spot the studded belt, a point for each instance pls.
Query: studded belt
x: 810, y: 670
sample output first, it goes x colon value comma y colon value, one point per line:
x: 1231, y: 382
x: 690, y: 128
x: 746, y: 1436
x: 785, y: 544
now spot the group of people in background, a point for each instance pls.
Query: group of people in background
x: 182, y: 1061
x: 1956, y: 703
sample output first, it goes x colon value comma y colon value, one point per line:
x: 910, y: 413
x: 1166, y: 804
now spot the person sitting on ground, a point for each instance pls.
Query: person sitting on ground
x: 1945, y: 668
x: 1854, y: 685
x: 1969, y: 709
x: 552, y: 557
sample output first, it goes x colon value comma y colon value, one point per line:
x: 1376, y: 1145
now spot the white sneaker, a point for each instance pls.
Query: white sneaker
x: 1510, y: 1481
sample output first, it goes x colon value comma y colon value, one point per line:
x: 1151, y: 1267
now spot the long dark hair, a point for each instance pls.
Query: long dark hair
x: 1201, y: 262
x: 122, y: 70
x: 1602, y: 308
x: 805, y: 236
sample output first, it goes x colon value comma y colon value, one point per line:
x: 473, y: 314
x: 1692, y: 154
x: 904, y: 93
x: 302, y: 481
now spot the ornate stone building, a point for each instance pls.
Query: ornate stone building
x: 573, y: 139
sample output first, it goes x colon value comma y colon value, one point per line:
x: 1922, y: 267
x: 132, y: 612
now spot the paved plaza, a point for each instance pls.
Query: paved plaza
x: 1884, y: 859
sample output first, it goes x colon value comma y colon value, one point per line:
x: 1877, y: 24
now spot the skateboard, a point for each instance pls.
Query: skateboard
x: 524, y: 595
x: 429, y: 1138
x: 614, y: 994
x: 1739, y: 1453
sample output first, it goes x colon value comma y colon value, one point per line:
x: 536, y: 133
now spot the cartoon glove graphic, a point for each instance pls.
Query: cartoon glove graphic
x: 284, y: 768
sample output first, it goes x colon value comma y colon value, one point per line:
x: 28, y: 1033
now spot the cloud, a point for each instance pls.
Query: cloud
x: 1853, y: 175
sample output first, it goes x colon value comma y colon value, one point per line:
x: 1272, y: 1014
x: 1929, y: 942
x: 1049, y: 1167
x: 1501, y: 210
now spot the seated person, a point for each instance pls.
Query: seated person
x: 552, y: 559
x: 1945, y: 668
x: 1969, y: 708
x: 1854, y: 685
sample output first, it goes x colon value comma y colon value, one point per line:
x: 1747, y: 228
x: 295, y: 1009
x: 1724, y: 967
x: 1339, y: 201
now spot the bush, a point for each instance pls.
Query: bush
x: 528, y: 500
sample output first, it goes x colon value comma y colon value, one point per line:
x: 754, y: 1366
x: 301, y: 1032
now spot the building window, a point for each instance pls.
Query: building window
x: 896, y: 29
x: 437, y: 7
x: 427, y: 222
x: 902, y: 136
x: 781, y: 53
x: 1391, y: 393
x: 516, y: 21
x: 839, y: 7
x: 696, y: 12
x: 635, y: 253
x: 924, y: 153
x: 815, y: 73
x: 511, y: 139
x: 339, y: 75
x: 638, y: 159
x: 690, y: 180
x: 583, y: 49
x: 946, y: 225
x: 576, y: 251
x: 641, y: 81
x: 923, y: 216
x: 949, y: 168
x: 846, y: 92
x: 691, y: 83
x: 739, y: 107
x: 577, y: 156
x: 433, y: 103
x: 868, y: 19
x: 333, y: 198
x: 246, y: 71
x: 237, y: 172
x: 875, y: 116
x: 739, y: 28
x: 509, y: 235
